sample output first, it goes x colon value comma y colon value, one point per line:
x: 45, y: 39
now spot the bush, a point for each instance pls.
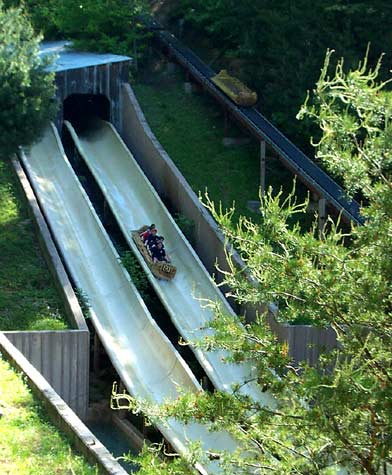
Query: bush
x: 27, y: 90
x: 103, y: 25
x: 137, y: 274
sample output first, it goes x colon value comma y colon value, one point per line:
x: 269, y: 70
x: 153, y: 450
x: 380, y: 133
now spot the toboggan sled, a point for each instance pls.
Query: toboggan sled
x: 161, y: 270
x: 235, y: 89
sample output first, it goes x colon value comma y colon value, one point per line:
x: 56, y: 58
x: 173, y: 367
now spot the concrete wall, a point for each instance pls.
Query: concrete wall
x: 63, y: 357
x: 305, y: 342
x: 63, y: 360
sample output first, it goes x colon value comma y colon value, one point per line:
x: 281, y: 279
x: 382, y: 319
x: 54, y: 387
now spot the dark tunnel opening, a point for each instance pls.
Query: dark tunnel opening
x: 82, y: 109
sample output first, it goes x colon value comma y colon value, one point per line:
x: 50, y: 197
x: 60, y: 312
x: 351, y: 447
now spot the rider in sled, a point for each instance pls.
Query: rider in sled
x: 152, y: 239
x: 158, y: 252
x: 148, y: 232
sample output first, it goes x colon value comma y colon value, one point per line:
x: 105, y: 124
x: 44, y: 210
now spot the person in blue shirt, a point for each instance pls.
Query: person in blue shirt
x: 151, y: 238
x: 153, y: 241
x: 158, y: 253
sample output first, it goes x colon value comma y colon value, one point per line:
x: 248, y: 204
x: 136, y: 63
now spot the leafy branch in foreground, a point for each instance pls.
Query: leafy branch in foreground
x: 353, y: 111
x: 340, y: 413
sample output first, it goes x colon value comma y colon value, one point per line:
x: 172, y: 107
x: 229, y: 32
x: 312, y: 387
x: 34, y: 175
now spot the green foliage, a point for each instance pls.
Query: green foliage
x: 27, y: 89
x: 53, y: 323
x: 138, y: 276
x: 103, y: 25
x: 108, y: 26
x: 277, y: 46
x: 353, y: 112
x: 42, y: 14
x: 338, y: 415
x: 28, y: 440
x: 84, y: 302
x: 28, y: 298
x: 292, y: 268
x: 190, y: 129
x: 186, y: 225
x: 153, y: 459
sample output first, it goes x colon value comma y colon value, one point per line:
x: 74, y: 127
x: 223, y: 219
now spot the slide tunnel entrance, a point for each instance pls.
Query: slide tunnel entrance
x: 81, y: 109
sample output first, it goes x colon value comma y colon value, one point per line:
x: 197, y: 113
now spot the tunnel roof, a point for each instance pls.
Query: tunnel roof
x: 68, y: 58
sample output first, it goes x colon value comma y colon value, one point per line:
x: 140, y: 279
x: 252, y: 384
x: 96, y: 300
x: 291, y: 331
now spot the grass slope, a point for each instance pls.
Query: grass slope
x: 28, y: 298
x: 191, y: 127
x: 29, y: 443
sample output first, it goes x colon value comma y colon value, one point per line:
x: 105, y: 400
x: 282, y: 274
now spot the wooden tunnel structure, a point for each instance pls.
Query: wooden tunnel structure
x: 87, y: 83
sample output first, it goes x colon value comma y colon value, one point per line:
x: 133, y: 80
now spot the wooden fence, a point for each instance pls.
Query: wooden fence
x: 62, y: 359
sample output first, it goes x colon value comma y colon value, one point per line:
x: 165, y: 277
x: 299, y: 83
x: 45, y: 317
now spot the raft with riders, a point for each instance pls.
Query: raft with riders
x: 151, y: 246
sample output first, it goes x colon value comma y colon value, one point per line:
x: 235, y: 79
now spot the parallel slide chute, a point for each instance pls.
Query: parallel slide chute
x: 134, y: 202
x: 145, y: 359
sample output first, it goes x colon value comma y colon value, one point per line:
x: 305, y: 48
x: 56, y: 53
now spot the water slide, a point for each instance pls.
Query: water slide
x: 134, y: 202
x: 145, y: 359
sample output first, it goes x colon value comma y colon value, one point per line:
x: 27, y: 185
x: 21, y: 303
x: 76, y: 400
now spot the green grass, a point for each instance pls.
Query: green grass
x: 191, y: 129
x: 29, y: 443
x: 28, y: 297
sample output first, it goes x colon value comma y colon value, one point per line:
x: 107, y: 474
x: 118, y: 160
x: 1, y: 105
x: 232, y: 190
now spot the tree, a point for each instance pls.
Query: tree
x: 27, y: 90
x: 42, y: 14
x: 277, y: 46
x: 103, y: 25
x: 107, y: 26
x: 340, y: 413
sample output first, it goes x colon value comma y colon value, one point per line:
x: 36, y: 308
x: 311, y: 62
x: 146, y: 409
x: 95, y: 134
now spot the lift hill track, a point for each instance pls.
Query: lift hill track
x: 291, y: 156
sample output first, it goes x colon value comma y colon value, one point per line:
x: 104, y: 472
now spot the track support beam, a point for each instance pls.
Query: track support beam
x: 262, y: 167
x: 322, y: 214
x: 97, y: 354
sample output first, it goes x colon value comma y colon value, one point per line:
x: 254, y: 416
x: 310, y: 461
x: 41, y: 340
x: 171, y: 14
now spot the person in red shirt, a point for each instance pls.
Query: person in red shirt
x: 148, y: 232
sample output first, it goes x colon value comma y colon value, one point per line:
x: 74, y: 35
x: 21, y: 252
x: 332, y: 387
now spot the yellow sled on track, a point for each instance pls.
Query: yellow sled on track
x: 235, y: 89
x: 161, y: 270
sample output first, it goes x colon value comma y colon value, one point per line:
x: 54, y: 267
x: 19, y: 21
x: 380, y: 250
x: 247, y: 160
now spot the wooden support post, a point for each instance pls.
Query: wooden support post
x: 171, y: 68
x: 75, y: 156
x: 181, y: 22
x: 121, y: 388
x: 187, y: 83
x: 135, y: 62
x: 188, y: 87
x: 205, y: 383
x: 262, y: 167
x: 322, y: 214
x: 147, y: 429
x: 225, y: 123
x: 97, y: 354
x: 105, y: 210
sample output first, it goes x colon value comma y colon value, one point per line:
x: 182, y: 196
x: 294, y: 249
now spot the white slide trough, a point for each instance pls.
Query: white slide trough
x: 134, y: 202
x: 144, y: 358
